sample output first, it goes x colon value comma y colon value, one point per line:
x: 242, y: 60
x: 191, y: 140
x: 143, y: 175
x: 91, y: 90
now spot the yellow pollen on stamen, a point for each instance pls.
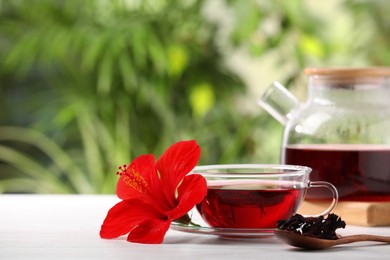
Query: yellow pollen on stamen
x: 134, y: 179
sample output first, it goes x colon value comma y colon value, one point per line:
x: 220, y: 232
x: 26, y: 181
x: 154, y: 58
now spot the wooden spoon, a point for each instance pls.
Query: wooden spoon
x: 307, y: 242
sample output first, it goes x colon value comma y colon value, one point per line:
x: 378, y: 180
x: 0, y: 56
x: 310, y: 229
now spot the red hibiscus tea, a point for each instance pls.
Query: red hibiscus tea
x: 359, y: 172
x: 255, y: 195
x: 250, y: 204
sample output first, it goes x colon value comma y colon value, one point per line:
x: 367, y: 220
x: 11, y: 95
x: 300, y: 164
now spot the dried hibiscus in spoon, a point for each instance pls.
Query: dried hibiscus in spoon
x: 318, y: 227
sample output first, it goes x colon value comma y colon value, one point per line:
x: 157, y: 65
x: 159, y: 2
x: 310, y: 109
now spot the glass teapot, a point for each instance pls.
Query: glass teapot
x: 342, y: 131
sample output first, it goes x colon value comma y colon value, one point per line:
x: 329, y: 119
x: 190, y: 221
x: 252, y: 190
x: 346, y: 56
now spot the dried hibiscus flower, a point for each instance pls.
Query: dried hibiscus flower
x: 318, y: 227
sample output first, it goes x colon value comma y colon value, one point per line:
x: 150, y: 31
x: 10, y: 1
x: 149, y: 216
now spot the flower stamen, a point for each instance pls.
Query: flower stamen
x: 132, y: 178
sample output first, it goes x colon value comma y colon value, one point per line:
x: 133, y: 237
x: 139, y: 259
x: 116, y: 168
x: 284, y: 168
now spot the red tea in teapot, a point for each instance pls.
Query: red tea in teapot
x: 359, y: 172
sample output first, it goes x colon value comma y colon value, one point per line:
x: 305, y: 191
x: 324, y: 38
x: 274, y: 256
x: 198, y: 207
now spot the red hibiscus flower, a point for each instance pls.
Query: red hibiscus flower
x: 154, y: 194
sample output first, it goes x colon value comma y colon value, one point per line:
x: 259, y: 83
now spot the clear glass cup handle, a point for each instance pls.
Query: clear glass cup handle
x: 332, y: 188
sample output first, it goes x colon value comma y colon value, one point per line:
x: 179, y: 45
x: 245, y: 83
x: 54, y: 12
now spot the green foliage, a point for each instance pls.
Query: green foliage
x: 373, y: 23
x: 104, y: 82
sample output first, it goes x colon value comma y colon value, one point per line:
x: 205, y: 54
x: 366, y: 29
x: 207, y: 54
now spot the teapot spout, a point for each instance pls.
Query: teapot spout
x: 278, y: 102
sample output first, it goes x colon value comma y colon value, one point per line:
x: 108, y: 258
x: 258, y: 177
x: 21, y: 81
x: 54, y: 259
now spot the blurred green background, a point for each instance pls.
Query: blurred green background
x: 86, y: 86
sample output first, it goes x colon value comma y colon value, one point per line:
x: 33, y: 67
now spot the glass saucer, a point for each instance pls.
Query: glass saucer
x: 242, y: 233
x: 233, y: 233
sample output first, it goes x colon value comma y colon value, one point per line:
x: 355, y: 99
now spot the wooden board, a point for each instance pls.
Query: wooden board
x: 353, y: 213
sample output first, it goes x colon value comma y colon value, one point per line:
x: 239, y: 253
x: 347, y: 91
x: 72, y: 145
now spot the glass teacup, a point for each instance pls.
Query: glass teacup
x: 255, y: 195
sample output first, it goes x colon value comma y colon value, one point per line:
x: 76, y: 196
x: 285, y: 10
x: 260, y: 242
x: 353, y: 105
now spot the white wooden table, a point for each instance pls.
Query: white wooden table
x: 67, y: 227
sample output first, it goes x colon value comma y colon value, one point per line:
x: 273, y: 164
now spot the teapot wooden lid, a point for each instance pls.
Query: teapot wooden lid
x: 349, y: 72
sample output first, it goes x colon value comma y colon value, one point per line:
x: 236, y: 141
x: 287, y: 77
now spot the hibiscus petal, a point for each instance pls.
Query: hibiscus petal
x: 177, y: 161
x: 125, y: 216
x: 151, y: 231
x: 190, y: 192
